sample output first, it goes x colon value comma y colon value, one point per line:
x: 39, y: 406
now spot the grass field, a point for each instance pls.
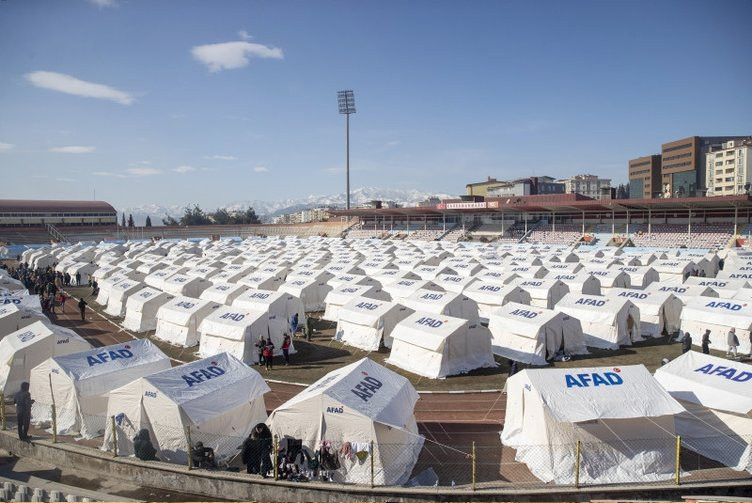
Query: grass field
x: 322, y: 354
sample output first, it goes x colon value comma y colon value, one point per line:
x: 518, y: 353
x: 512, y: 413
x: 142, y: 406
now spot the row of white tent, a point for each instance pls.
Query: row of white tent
x: 488, y: 281
x: 625, y: 419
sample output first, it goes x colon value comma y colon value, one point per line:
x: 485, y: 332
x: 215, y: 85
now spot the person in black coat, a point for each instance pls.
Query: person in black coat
x: 143, y: 447
x: 251, y: 452
x: 686, y: 342
x: 706, y: 342
x: 23, y: 403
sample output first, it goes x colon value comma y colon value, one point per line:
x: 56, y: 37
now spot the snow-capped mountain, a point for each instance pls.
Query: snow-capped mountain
x: 406, y: 197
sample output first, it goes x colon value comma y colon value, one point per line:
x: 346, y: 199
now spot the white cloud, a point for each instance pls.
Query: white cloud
x: 107, y: 173
x: 4, y: 147
x: 103, y: 3
x: 71, y: 85
x: 221, y: 157
x: 244, y: 35
x: 184, y: 169
x: 392, y: 143
x: 142, y: 171
x: 261, y: 169
x: 231, y: 55
x: 65, y: 180
x: 73, y: 149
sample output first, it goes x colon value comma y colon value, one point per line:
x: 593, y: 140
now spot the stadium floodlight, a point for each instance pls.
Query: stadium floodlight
x: 346, y: 102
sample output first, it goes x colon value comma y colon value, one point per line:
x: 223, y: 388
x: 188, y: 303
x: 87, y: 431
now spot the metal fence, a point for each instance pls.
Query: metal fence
x: 422, y: 462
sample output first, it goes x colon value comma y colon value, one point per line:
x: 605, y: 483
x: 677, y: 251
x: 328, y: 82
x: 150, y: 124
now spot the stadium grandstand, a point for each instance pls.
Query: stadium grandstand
x: 708, y: 222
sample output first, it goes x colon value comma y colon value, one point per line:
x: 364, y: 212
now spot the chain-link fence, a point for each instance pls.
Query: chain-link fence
x: 420, y: 462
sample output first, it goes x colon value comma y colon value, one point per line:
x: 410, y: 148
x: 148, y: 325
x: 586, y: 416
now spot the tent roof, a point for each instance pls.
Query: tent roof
x: 584, y: 394
x: 206, y: 388
x: 708, y: 380
x: 427, y: 330
x: 391, y: 403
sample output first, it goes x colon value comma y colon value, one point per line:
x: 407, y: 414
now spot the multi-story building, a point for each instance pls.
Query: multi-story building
x: 645, y: 177
x: 728, y: 168
x: 531, y: 186
x: 587, y: 185
x: 683, y: 164
x: 314, y: 215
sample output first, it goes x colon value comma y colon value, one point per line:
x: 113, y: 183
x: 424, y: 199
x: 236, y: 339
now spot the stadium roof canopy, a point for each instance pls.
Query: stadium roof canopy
x: 59, y: 206
x: 559, y: 203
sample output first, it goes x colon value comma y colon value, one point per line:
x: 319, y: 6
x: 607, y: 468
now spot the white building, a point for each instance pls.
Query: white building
x: 729, y: 169
x: 587, y: 185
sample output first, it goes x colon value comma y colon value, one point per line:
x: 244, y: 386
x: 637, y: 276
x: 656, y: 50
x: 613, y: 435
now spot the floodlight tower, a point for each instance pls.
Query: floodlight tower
x: 346, y: 102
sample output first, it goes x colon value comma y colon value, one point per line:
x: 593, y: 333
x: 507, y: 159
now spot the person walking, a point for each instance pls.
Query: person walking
x: 78, y: 278
x: 82, y: 307
x: 686, y: 342
x: 309, y: 328
x: 23, y: 403
x: 706, y: 342
x: 269, y: 354
x: 251, y: 451
x: 260, y: 348
x: 286, y: 349
x: 732, y: 342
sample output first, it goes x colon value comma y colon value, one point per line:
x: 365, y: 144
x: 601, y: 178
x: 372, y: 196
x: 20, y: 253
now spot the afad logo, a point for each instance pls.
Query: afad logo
x: 594, y: 378
x: 109, y: 356
x: 201, y: 375
x: 729, y: 373
x: 366, y: 388
x: 633, y: 295
x: 729, y: 306
x: 429, y: 322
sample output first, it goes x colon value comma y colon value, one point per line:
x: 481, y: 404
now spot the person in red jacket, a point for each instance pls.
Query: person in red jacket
x: 286, y: 349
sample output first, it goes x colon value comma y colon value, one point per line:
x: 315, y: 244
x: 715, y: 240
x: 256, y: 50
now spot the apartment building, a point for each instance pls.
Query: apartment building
x: 645, y: 177
x: 728, y: 168
x: 587, y: 185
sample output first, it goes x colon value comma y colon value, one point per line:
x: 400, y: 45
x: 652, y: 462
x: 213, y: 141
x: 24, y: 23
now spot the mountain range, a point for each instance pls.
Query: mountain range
x: 269, y: 209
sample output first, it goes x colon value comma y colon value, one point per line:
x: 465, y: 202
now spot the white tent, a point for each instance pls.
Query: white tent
x: 81, y: 382
x: 724, y: 287
x: 533, y: 335
x: 13, y: 318
x: 157, y: 278
x: 453, y: 283
x: 119, y: 294
x: 141, y: 309
x: 338, y: 297
x: 543, y: 292
x: 26, y: 348
x: 659, y: 311
x: 219, y: 398
x: 674, y: 270
x: 179, y: 318
x: 280, y: 309
x: 437, y: 346
x: 312, y: 292
x: 716, y: 395
x: 365, y: 323
x: 489, y: 296
x: 611, y: 278
x: 106, y: 284
x: 639, y: 276
x: 85, y: 269
x: 223, y: 293
x: 457, y: 305
x: 262, y: 281
x: 685, y: 293
x: 718, y: 315
x: 610, y: 410
x: 398, y: 291
x: 527, y: 271
x: 185, y: 286
x: 353, y: 280
x: 579, y: 282
x: 21, y: 299
x: 235, y: 331
x: 357, y: 404
x: 608, y: 322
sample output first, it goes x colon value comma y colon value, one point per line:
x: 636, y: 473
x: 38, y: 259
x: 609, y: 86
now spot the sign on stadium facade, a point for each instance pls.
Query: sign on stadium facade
x: 461, y: 206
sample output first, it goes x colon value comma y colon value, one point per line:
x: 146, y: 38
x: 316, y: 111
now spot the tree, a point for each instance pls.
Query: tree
x: 170, y: 221
x: 131, y: 223
x: 148, y: 221
x: 194, y: 216
x: 123, y: 221
x: 221, y: 217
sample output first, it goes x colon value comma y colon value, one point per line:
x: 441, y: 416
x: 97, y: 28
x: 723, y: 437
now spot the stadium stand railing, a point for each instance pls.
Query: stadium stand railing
x: 703, y: 235
x: 567, y: 234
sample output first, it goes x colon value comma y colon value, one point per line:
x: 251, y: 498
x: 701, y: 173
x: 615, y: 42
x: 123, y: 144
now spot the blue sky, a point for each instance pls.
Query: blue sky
x: 182, y: 101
